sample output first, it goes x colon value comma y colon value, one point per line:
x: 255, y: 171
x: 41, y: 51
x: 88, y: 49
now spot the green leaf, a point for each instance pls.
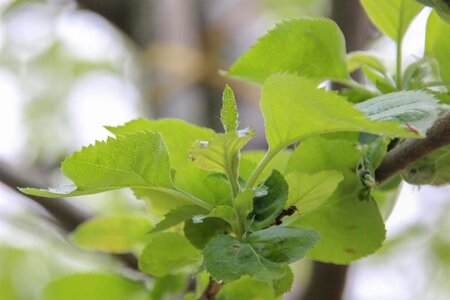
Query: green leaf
x: 137, y: 160
x: 262, y: 255
x: 437, y: 44
x: 246, y: 288
x: 295, y: 109
x: 113, y: 234
x: 225, y: 213
x: 221, y: 153
x: 168, y: 285
x: 314, y: 48
x: 243, y: 205
x: 267, y: 208
x: 251, y: 158
x: 310, y: 191
x: 227, y: 258
x: 200, y: 233
x: 284, y: 284
x: 115, y: 164
x: 416, y: 108
x: 177, y: 134
x: 229, y: 112
x: 95, y: 286
x: 432, y: 169
x: 177, y: 216
x: 357, y: 59
x: 167, y: 253
x: 349, y: 228
x: 392, y: 17
x: 441, y: 7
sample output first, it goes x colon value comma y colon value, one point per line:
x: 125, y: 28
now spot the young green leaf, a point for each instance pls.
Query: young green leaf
x: 314, y: 48
x: 246, y: 288
x: 437, y: 44
x: 357, y: 59
x: 310, y: 191
x: 392, y: 17
x: 267, y: 208
x: 113, y: 234
x: 167, y: 286
x: 98, y: 286
x: 167, y: 253
x: 177, y: 216
x: 177, y: 134
x: 284, y: 284
x: 415, y: 108
x: 229, y: 112
x: 295, y: 109
x: 201, y: 232
x: 225, y: 213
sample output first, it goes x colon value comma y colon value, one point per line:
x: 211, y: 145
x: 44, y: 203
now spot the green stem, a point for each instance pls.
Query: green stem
x: 399, y: 49
x: 270, y: 154
x: 187, y: 197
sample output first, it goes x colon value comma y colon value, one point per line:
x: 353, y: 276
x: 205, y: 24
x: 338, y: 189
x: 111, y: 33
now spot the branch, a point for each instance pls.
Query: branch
x: 67, y: 215
x: 211, y: 290
x: 411, y: 150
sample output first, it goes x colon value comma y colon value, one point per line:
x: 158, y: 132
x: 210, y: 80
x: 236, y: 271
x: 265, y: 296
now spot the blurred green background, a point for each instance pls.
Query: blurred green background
x: 67, y: 68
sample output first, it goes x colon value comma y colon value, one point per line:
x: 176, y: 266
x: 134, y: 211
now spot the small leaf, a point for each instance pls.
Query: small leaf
x: 310, y: 191
x: 199, y: 234
x: 267, y: 208
x: 177, y: 216
x: 357, y: 59
x: 295, y: 109
x: 392, y: 17
x: 98, y: 286
x: 246, y: 288
x: 220, y: 154
x: 177, y: 134
x: 284, y: 284
x: 229, y: 112
x: 167, y: 253
x: 416, y: 108
x: 168, y: 285
x: 113, y: 234
x: 314, y: 48
x: 225, y: 213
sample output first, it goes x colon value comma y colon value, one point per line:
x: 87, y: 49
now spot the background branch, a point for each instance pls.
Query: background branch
x: 411, y: 150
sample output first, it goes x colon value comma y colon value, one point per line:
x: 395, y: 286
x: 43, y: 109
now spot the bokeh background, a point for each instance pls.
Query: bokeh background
x: 67, y: 68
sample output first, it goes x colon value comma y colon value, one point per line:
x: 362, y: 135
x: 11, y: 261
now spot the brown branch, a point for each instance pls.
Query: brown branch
x: 66, y: 215
x: 411, y: 150
x: 211, y: 290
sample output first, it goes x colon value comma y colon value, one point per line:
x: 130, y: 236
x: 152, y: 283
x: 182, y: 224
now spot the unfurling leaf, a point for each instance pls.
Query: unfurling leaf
x: 229, y: 112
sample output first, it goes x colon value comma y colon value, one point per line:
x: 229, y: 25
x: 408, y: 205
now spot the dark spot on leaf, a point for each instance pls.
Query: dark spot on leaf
x: 350, y: 251
x: 351, y: 227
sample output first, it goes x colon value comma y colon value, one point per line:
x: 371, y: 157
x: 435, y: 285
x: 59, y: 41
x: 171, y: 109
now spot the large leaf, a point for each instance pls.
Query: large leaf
x: 417, y: 108
x: 433, y: 169
x: 295, y: 109
x: 95, y: 286
x: 267, y: 208
x: 437, y: 44
x: 167, y: 253
x: 229, y: 111
x: 392, y: 17
x: 137, y: 160
x: 262, y: 255
x: 349, y: 228
x: 314, y: 48
x: 113, y: 234
x: 177, y: 134
x: 310, y: 191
